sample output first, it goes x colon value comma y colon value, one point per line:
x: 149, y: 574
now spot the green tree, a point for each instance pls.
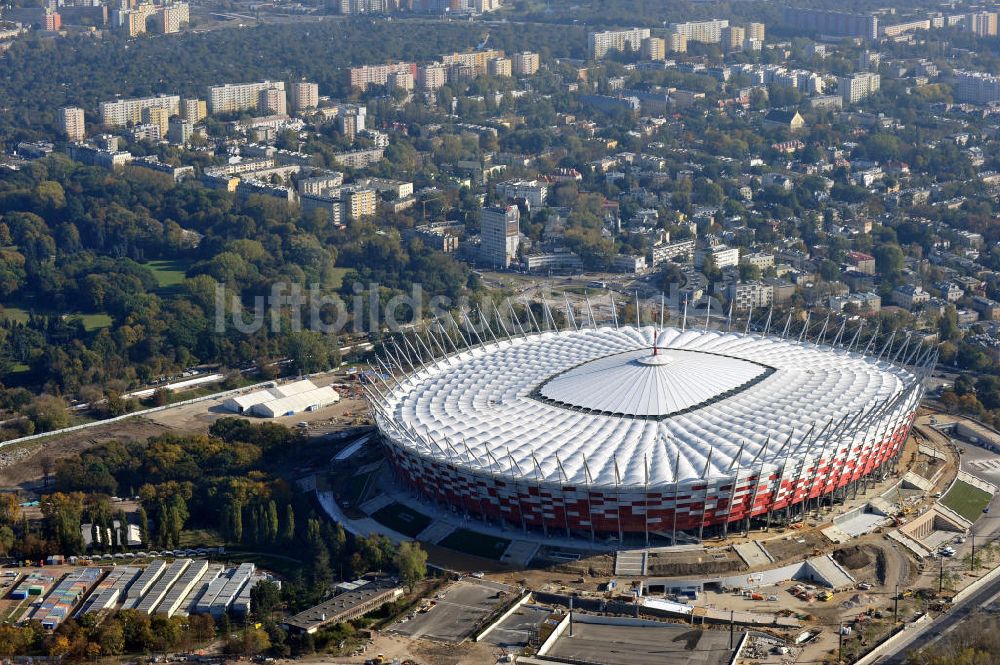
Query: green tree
x: 411, y: 562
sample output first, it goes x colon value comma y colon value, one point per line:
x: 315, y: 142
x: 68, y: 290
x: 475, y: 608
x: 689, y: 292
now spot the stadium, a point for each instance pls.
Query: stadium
x: 625, y: 432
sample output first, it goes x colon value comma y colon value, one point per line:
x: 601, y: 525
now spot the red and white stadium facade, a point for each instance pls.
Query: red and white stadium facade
x: 609, y: 431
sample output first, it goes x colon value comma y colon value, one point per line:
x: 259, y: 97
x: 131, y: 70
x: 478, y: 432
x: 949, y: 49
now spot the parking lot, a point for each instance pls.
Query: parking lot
x: 642, y: 645
x: 515, y: 631
x: 455, y: 613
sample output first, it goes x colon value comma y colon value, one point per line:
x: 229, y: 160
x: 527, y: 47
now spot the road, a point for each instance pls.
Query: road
x: 940, y: 626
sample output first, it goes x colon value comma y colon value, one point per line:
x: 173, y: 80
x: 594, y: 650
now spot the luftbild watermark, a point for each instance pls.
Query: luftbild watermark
x: 293, y: 307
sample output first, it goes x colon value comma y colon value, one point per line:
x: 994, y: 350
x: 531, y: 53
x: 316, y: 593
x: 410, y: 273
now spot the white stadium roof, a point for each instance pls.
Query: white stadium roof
x: 596, y: 406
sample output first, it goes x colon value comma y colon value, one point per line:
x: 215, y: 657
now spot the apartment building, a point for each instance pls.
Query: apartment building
x: 707, y: 32
x: 833, y: 23
x: 478, y: 60
x: 733, y: 37
x: 750, y: 295
x: 122, y: 112
x: 525, y: 63
x: 976, y: 87
x: 71, y: 122
x: 272, y: 101
x: 159, y: 117
x: 237, y: 97
x: 171, y: 18
x: 654, y: 48
x: 858, y: 86
x: 305, y: 95
x: 600, y: 43
x: 368, y: 75
x: 982, y: 24
x: 431, y: 77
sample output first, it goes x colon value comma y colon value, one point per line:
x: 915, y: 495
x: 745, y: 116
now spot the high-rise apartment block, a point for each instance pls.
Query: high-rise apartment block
x: 707, y: 32
x: 194, y: 110
x: 975, y: 87
x: 525, y: 63
x: 72, y: 124
x: 179, y: 131
x: 654, y: 48
x: 431, y: 77
x: 755, y: 31
x: 171, y: 18
x: 733, y: 37
x: 369, y: 75
x: 156, y: 116
x: 676, y: 42
x: 600, y: 43
x: 51, y: 20
x: 400, y: 81
x: 272, y: 101
x: 129, y: 111
x: 982, y: 24
x: 827, y: 22
x: 478, y: 60
x: 233, y: 98
x: 499, y: 237
x: 305, y: 95
x: 858, y: 86
x: 499, y: 67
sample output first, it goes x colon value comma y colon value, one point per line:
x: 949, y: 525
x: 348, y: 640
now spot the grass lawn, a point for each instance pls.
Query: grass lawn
x: 169, y: 273
x: 478, y: 544
x: 401, y: 519
x: 966, y: 500
x: 92, y: 322
x: 15, y: 314
x: 338, y: 277
x: 195, y: 538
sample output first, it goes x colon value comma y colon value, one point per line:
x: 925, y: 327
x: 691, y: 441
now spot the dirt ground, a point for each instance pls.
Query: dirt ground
x: 421, y: 651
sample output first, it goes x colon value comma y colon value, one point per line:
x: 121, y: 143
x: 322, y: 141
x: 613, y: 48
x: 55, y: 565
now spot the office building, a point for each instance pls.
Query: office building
x: 707, y: 32
x: 525, y: 63
x: 857, y: 87
x: 368, y: 75
x: 72, y: 124
x: 305, y: 95
x: 499, y: 236
x: 654, y: 48
x: 833, y: 23
x: 499, y: 67
x: 124, y: 112
x: 234, y: 98
x: 432, y: 77
x: 600, y: 43
x: 982, y: 24
x: 975, y: 87
x: 193, y: 110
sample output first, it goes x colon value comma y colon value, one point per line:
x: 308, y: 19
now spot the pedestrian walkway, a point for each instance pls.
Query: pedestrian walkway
x: 630, y: 563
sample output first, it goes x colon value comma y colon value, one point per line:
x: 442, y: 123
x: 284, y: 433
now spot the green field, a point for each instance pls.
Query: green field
x: 338, y: 277
x: 169, y: 273
x: 401, y: 519
x: 16, y: 314
x: 92, y: 322
x: 478, y: 544
x: 966, y: 500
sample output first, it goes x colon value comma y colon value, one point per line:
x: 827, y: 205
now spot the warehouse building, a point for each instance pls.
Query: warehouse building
x: 285, y: 400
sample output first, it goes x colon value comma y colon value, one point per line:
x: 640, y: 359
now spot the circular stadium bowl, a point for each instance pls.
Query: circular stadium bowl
x: 606, y: 432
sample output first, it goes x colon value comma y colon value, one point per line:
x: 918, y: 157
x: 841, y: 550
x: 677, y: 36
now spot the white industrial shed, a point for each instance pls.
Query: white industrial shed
x: 283, y: 400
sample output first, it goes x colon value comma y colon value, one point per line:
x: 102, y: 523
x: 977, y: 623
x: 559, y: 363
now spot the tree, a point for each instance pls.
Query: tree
x: 889, y: 259
x: 411, y: 562
x: 288, y: 529
x: 48, y: 413
x: 265, y: 598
